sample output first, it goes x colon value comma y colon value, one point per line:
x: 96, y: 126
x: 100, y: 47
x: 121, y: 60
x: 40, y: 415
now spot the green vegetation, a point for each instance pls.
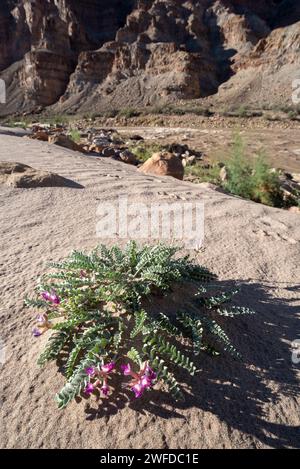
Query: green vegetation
x: 25, y: 121
x: 180, y: 110
x: 254, y: 181
x: 204, y: 173
x: 99, y: 307
x: 143, y: 151
x: 75, y: 135
x: 22, y: 123
x: 129, y: 113
x: 241, y: 112
x: 251, y: 179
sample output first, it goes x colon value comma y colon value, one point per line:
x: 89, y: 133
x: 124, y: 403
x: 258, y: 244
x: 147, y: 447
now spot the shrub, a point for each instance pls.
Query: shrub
x: 75, y: 135
x: 255, y: 181
x: 266, y: 184
x: 181, y: 111
x: 239, y: 171
x: 110, y: 114
x: 129, y: 113
x: 96, y: 307
x: 250, y: 179
x: 57, y: 120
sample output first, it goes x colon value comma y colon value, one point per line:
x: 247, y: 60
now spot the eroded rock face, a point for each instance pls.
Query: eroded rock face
x: 48, y: 35
x: 85, y: 55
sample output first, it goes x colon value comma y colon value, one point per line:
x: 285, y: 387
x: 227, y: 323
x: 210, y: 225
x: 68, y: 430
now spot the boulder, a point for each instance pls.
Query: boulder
x: 64, y: 141
x: 127, y: 157
x: 42, y: 135
x: 164, y: 164
x: 110, y: 152
x: 19, y: 175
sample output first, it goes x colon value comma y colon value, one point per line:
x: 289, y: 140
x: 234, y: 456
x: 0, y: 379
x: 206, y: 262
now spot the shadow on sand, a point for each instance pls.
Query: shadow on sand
x: 237, y: 393
x: 71, y: 184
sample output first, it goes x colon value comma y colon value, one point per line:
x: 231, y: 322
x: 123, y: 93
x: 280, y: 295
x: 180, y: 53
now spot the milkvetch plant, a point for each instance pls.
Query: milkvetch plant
x: 94, y: 306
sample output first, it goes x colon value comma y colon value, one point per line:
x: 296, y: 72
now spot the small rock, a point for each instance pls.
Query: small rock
x: 294, y: 209
x: 136, y: 138
x: 109, y: 152
x: 296, y: 177
x: 101, y: 142
x: 189, y: 160
x: 41, y: 135
x: 127, y: 157
x: 223, y: 174
x: 95, y: 149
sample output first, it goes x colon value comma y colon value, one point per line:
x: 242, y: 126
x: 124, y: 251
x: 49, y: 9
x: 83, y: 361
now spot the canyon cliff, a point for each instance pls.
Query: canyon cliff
x: 88, y: 55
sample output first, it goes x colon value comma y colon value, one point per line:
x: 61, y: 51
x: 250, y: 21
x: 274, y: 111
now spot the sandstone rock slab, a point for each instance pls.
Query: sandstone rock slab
x: 163, y: 164
x: 19, y: 175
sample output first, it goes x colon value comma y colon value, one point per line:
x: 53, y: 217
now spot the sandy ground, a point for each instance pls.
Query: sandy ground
x: 254, y: 404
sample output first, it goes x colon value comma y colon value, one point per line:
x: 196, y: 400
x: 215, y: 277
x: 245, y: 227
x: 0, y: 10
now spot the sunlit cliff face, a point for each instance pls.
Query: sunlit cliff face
x: 136, y: 52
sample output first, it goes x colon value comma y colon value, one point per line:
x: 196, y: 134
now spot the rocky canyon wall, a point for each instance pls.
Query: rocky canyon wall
x: 83, y: 55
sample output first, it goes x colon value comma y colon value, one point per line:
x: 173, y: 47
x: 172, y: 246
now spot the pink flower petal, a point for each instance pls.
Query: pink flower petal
x: 108, y: 368
x: 105, y: 389
x: 138, y: 390
x: 90, y: 371
x: 54, y: 299
x: 46, y: 295
x: 36, y: 332
x: 146, y: 382
x: 90, y: 388
x: 126, y: 369
x: 150, y: 373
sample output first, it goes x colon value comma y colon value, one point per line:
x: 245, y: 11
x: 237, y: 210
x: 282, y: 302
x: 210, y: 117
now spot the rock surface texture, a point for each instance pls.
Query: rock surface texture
x: 86, y: 55
x: 19, y: 175
x: 164, y: 164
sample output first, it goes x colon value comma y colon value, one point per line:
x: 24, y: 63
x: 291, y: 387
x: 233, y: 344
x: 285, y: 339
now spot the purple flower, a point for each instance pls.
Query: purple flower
x: 146, y: 382
x: 105, y: 389
x: 108, y: 368
x: 41, y: 318
x: 138, y: 390
x: 90, y: 371
x: 46, y: 295
x: 90, y: 388
x: 142, y: 380
x: 36, y: 332
x: 52, y: 297
x: 126, y: 370
x: 149, y: 373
